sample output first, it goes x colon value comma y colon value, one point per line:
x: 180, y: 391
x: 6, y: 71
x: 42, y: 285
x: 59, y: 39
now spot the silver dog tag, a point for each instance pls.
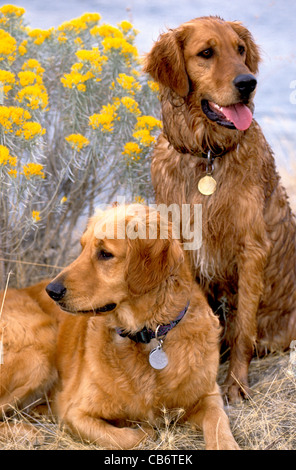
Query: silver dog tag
x: 158, y: 358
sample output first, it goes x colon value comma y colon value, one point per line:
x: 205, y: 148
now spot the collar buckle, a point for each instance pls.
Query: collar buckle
x: 142, y: 336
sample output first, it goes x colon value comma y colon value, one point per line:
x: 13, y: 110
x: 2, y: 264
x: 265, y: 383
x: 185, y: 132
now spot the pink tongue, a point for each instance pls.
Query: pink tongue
x: 239, y: 114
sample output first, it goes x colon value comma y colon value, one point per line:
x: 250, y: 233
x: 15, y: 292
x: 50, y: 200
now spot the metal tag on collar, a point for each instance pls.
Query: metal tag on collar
x: 157, y: 357
x: 207, y: 184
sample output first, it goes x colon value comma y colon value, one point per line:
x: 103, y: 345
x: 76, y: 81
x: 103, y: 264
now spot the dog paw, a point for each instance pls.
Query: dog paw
x: 225, y: 444
x: 130, y: 438
x: 229, y: 445
x: 235, y: 391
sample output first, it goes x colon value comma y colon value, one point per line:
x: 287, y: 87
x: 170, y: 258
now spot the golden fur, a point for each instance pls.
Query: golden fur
x: 248, y: 254
x: 105, y: 382
x: 28, y: 330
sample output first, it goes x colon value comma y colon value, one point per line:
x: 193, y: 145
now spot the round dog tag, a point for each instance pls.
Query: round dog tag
x: 158, y: 358
x: 207, y: 185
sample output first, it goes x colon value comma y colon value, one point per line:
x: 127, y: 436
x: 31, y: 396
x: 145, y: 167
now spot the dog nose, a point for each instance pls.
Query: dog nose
x: 245, y: 83
x: 56, y: 290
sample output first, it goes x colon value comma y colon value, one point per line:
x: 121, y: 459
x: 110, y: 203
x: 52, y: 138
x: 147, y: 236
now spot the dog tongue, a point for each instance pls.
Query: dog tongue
x: 239, y: 114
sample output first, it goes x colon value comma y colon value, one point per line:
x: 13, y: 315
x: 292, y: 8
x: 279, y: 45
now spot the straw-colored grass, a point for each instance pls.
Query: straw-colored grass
x: 267, y: 421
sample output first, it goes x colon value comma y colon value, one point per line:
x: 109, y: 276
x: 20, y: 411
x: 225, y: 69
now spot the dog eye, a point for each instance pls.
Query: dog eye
x: 104, y: 255
x: 206, y: 54
x: 241, y: 50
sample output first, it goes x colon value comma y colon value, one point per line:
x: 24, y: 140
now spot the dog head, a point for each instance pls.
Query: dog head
x: 125, y: 257
x: 210, y: 64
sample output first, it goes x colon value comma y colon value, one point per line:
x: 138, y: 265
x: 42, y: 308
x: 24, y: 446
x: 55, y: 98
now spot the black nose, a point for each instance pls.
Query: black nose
x: 245, y: 83
x: 56, y: 290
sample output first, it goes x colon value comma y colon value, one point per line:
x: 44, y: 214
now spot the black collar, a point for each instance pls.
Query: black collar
x: 106, y: 308
x: 214, y: 153
x: 146, y: 335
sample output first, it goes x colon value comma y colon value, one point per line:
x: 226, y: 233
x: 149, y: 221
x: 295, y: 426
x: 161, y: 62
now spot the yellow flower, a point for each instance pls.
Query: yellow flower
x: 62, y: 37
x: 125, y: 26
x: 28, y: 77
x: 12, y: 10
x: 143, y: 128
x: 36, y: 216
x: 116, y: 102
x: 78, y: 24
x: 89, y: 55
x: 120, y: 44
x: 12, y: 173
x: 77, y: 141
x: 106, y: 30
x: 78, y: 41
x: 147, y: 122
x: 105, y: 119
x: 12, y: 161
x: 153, y: 86
x: 127, y: 82
x: 90, y: 17
x: 136, y: 73
x: 131, y: 105
x: 7, y: 46
x: 76, y: 67
x: 22, y: 47
x: 92, y: 57
x: 40, y: 35
x: 7, y: 79
x: 139, y: 200
x: 131, y: 149
x: 30, y: 130
x: 76, y: 79
x: 33, y: 64
x: 4, y: 155
x: 144, y: 137
x: 128, y: 30
x: 33, y: 169
x: 6, y: 158
x: 13, y: 116
x: 15, y: 119
x: 34, y: 96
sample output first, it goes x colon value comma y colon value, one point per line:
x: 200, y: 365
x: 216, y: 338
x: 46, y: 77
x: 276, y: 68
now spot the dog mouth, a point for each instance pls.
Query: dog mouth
x: 236, y: 116
x: 94, y: 311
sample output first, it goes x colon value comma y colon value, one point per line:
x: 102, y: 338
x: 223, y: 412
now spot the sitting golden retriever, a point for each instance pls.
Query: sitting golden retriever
x: 212, y: 152
x: 141, y: 337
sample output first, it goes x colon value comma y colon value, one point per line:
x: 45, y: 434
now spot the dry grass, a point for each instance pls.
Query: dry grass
x: 267, y: 421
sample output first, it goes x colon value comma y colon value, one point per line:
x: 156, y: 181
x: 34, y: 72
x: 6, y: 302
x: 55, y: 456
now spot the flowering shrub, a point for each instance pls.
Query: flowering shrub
x: 78, y: 121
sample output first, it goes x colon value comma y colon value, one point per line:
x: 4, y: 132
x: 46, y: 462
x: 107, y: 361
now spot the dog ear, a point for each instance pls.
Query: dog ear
x: 253, y: 55
x: 150, y: 262
x: 166, y: 65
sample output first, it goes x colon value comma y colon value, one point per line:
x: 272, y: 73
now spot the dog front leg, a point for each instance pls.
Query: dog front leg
x: 210, y: 416
x: 250, y: 288
x: 101, y: 432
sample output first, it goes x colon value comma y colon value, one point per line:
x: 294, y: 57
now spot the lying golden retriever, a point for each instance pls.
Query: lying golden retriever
x: 141, y: 337
x: 212, y: 152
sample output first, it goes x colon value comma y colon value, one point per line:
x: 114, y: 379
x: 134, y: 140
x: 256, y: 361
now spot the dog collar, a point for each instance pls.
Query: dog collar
x: 146, y: 334
x: 106, y: 308
x: 215, y: 152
